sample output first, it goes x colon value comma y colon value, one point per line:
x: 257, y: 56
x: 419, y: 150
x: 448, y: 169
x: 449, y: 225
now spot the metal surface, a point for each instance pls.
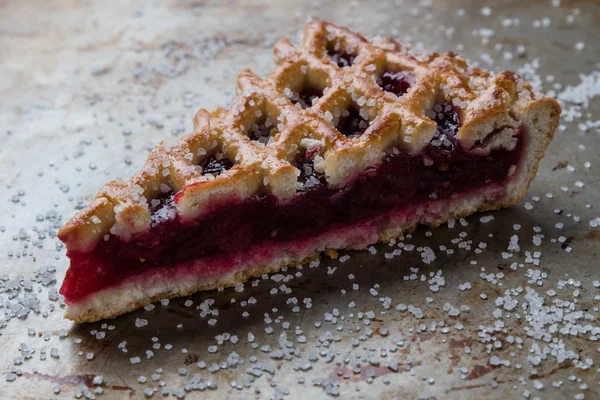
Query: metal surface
x: 86, y: 88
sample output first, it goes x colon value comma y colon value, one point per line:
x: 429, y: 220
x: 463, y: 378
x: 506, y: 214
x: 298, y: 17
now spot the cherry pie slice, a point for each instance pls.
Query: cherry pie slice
x: 345, y: 144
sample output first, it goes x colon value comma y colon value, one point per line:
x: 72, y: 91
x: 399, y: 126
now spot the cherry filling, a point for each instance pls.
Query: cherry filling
x: 262, y: 130
x: 211, y: 165
x: 352, y: 125
x: 162, y: 208
x: 448, y: 122
x: 396, y: 82
x: 307, y: 96
x: 342, y: 59
x: 309, y: 178
x: 442, y: 170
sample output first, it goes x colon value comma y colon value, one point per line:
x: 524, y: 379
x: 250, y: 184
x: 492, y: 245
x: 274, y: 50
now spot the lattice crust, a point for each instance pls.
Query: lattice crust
x: 490, y: 108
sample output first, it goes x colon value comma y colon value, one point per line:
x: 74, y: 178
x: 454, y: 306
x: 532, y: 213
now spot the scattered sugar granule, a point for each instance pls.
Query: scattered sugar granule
x: 486, y: 11
x: 135, y: 360
x: 140, y: 322
x: 486, y: 218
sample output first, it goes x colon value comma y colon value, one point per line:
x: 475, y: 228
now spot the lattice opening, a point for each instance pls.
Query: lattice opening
x: 343, y: 57
x: 215, y: 165
x: 309, y: 161
x: 398, y: 83
x: 306, y: 96
x: 448, y: 122
x: 162, y: 207
x: 267, y: 123
x: 309, y: 85
x: 353, y: 122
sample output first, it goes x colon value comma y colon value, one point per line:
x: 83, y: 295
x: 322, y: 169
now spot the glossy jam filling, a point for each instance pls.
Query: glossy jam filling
x: 443, y: 169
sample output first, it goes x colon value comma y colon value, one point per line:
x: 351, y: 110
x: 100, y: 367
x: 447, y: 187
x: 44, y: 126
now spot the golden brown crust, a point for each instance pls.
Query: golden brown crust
x: 485, y: 102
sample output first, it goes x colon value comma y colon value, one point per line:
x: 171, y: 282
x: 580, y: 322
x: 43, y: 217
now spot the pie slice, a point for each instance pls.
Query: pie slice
x: 345, y: 144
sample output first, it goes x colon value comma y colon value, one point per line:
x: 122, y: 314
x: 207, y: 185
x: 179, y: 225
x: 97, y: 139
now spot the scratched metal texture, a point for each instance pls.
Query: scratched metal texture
x: 87, y: 88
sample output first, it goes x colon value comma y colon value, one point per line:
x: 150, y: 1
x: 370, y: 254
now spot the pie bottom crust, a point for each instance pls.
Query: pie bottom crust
x: 187, y: 277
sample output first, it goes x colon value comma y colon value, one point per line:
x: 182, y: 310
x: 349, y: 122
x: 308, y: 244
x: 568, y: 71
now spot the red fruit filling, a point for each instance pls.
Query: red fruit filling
x: 442, y: 170
x: 342, y: 59
x: 396, y: 82
x: 215, y: 167
x: 261, y: 131
x: 352, y: 125
x: 307, y: 96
